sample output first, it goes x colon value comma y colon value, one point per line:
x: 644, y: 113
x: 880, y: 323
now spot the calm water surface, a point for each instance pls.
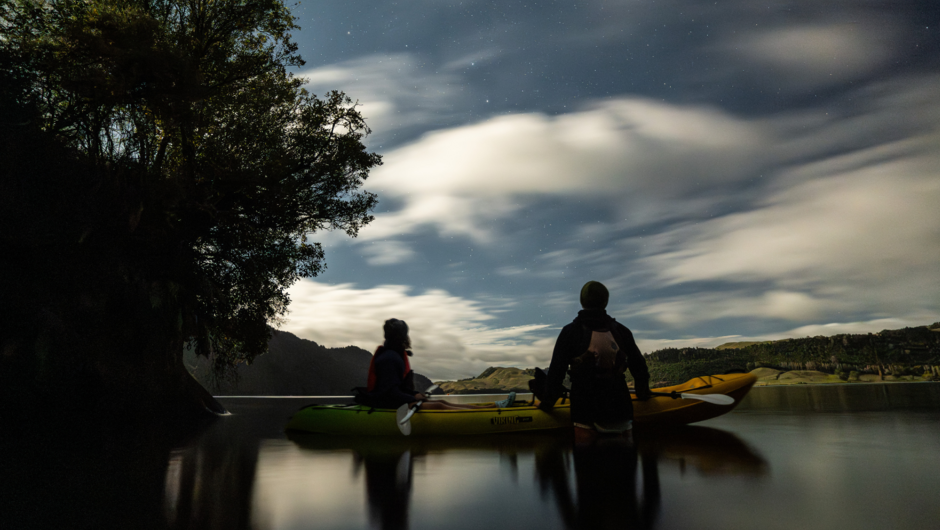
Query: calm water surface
x: 857, y: 456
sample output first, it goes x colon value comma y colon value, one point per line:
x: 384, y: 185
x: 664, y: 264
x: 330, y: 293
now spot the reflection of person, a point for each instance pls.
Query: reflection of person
x: 391, y: 380
x: 605, y: 477
x: 388, y: 489
x: 596, y: 351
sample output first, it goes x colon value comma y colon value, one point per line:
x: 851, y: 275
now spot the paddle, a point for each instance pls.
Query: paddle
x: 404, y: 413
x: 715, y: 399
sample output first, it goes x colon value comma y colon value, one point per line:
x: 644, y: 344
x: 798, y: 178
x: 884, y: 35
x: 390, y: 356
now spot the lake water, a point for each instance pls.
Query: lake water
x: 849, y: 456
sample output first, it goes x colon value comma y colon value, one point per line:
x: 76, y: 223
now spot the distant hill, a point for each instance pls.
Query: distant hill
x: 492, y: 380
x: 737, y: 345
x: 293, y: 367
x: 909, y: 354
x: 900, y: 352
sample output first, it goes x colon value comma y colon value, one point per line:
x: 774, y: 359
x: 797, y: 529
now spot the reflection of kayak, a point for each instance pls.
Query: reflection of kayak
x: 361, y: 420
x: 709, y: 451
x: 374, y: 446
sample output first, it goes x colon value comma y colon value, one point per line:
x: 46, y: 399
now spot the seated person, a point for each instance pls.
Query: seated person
x: 391, y: 380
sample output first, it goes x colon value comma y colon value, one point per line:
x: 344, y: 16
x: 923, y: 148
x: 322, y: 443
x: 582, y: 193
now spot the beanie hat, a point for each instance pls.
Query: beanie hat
x: 395, y: 330
x: 594, y: 295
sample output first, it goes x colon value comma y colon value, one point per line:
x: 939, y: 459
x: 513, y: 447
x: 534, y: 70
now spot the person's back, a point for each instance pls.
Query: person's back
x: 390, y: 379
x: 596, y: 350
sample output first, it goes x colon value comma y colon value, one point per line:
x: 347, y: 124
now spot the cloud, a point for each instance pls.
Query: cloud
x: 463, y: 178
x: 819, y: 54
x: 709, y: 306
x: 453, y: 337
x: 781, y: 218
x: 863, y: 233
x: 471, y: 60
x: 883, y: 215
x: 397, y: 92
x: 877, y: 121
x: 380, y: 253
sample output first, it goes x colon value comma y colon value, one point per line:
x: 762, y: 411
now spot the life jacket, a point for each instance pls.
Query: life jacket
x: 603, y: 358
x: 370, y: 384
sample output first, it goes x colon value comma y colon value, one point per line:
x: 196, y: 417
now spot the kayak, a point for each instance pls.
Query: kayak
x: 668, y: 411
x: 359, y: 420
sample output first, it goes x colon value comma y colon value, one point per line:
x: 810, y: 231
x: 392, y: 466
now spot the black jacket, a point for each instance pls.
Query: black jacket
x: 391, y: 389
x: 595, y: 399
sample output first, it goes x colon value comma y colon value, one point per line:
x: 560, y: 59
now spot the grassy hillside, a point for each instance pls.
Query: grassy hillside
x: 737, y: 345
x: 493, y: 379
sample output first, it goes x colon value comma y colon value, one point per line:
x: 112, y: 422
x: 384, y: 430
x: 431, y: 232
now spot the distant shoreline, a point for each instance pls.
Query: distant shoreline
x: 772, y: 377
x: 834, y: 383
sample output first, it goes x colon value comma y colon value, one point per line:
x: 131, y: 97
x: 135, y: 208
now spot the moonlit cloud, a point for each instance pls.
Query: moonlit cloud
x: 457, y: 179
x: 876, y: 221
x: 817, y: 54
x: 865, y: 230
x: 736, y: 171
x: 452, y: 337
x: 823, y: 238
x: 387, y: 252
x: 774, y: 304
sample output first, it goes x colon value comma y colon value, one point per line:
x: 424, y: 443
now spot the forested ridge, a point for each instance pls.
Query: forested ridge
x: 907, y: 351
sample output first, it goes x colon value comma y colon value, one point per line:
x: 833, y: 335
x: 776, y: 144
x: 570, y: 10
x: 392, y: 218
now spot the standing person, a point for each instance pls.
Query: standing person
x: 596, y: 351
x: 391, y: 379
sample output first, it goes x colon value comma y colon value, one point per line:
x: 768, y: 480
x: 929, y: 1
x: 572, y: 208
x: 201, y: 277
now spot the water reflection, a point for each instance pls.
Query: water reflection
x: 707, y: 451
x: 609, y: 485
x: 852, y: 397
x: 606, y: 486
x: 388, y: 488
x: 77, y: 473
x: 387, y: 464
x: 209, y: 485
x: 829, y: 470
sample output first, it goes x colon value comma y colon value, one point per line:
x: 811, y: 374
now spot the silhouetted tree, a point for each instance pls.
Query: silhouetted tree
x: 161, y: 172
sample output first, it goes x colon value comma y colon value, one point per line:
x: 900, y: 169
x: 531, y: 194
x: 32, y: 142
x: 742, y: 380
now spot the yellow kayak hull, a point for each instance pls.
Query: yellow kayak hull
x: 668, y: 411
x: 357, y: 420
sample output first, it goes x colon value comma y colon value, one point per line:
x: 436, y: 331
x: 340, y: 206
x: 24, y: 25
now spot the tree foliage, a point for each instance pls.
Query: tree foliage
x: 162, y: 164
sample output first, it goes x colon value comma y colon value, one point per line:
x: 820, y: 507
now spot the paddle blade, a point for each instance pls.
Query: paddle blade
x: 405, y: 428
x: 402, y: 417
x: 716, y: 399
x: 403, y: 414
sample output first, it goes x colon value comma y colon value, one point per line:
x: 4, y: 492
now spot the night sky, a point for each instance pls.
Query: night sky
x: 730, y: 170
